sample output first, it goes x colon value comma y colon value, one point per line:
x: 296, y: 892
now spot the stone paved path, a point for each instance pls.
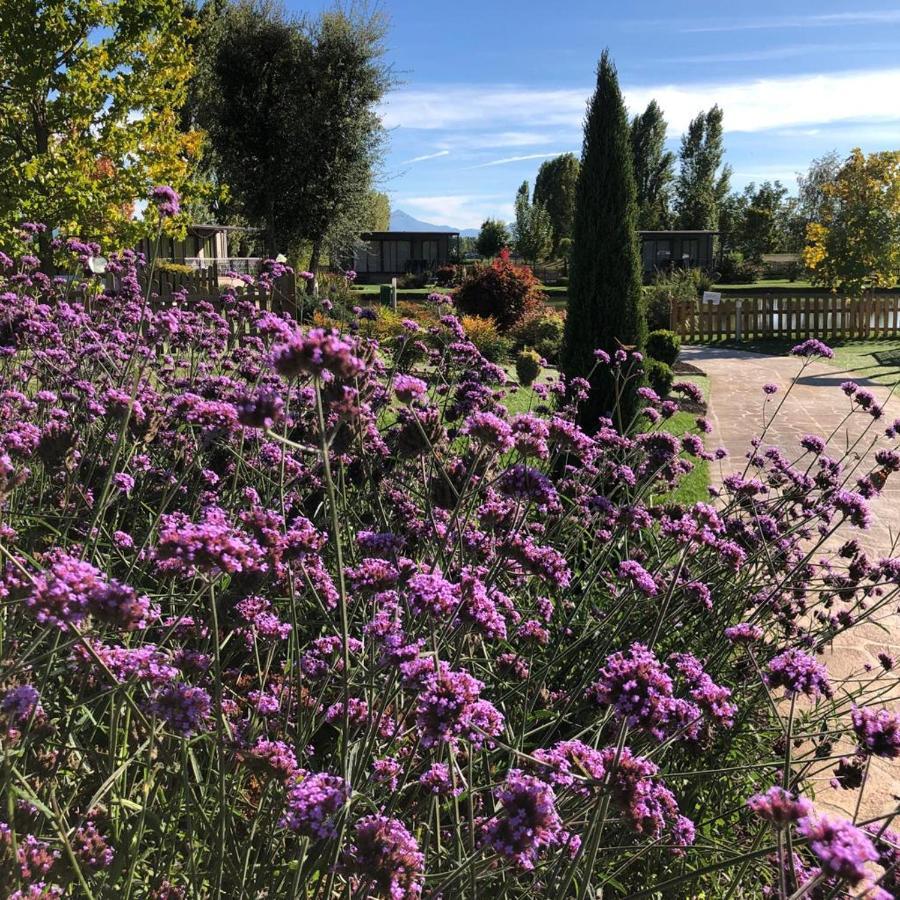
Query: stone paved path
x: 816, y: 405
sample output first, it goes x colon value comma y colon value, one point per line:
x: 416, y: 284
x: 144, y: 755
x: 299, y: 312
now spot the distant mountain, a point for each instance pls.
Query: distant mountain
x: 403, y: 221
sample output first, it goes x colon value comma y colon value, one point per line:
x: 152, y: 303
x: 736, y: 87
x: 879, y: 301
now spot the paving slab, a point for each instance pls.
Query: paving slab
x: 739, y: 413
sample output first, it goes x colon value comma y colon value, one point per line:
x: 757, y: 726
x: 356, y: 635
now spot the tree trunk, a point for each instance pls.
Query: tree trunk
x: 314, y: 258
x: 42, y: 146
x: 271, y: 241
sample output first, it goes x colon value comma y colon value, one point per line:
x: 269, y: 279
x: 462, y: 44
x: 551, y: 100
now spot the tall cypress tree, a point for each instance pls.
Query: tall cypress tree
x: 605, y: 295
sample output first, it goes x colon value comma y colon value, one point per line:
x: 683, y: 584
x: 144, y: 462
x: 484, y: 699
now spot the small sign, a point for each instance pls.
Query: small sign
x: 713, y: 297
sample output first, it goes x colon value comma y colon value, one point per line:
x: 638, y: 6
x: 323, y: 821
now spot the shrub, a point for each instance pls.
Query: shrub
x: 165, y: 265
x: 483, y: 333
x: 683, y: 285
x: 282, y: 618
x: 414, y: 280
x: 664, y: 345
x: 447, y: 276
x: 659, y: 375
x: 528, y: 366
x: 501, y: 290
x: 541, y: 328
x: 734, y: 269
x: 336, y: 288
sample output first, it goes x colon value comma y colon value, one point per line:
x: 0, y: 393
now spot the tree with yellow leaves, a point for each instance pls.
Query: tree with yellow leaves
x: 856, y: 245
x: 89, y: 98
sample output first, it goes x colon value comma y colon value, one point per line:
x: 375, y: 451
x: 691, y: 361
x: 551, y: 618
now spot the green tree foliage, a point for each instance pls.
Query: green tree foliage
x: 534, y: 230
x: 605, y: 295
x: 757, y: 220
x: 703, y: 181
x: 813, y: 202
x: 378, y: 216
x: 492, y: 238
x: 290, y: 106
x: 89, y: 94
x: 855, y: 245
x: 654, y: 168
x: 554, y: 187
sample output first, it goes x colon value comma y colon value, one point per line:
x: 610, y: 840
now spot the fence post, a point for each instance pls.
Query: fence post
x: 737, y: 320
x: 394, y: 293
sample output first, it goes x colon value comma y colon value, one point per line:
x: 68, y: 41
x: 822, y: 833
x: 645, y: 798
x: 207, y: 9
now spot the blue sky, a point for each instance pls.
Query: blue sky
x: 490, y: 89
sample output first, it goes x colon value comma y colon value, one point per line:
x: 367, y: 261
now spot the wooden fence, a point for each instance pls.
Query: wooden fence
x: 790, y: 317
x: 205, y: 285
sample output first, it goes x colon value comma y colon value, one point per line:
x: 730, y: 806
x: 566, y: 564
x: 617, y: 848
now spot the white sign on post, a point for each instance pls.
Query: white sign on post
x: 712, y: 297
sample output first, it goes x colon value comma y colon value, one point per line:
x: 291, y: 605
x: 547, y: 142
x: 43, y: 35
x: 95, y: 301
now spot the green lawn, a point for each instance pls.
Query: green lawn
x: 878, y: 360
x: 692, y: 488
x: 765, y: 284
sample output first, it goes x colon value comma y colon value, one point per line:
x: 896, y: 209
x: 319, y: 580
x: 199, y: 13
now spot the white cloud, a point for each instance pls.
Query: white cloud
x: 753, y: 105
x: 494, y: 140
x: 417, y: 159
x: 860, y: 17
x: 447, y: 106
x: 787, y: 51
x: 458, y: 210
x: 514, y: 159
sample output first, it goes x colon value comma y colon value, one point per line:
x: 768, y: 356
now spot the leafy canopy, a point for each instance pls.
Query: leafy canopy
x: 856, y: 243
x: 89, y: 99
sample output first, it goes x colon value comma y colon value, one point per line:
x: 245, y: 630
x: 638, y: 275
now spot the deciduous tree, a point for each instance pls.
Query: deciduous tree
x: 554, y: 187
x: 492, y: 238
x: 534, y: 230
x: 290, y: 105
x: 703, y: 181
x: 855, y: 245
x: 654, y: 168
x: 89, y: 99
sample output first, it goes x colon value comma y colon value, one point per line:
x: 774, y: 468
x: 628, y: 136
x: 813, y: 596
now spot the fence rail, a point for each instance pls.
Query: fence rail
x: 788, y: 316
x: 165, y: 289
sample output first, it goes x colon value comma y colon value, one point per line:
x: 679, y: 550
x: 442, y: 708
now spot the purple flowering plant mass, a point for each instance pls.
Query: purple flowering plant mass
x: 287, y: 612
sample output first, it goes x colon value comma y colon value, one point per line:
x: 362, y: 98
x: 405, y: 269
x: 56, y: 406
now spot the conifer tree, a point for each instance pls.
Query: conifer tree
x: 605, y: 292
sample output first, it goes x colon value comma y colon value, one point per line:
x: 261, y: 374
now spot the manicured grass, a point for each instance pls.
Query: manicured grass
x: 693, y: 487
x: 765, y: 284
x: 877, y: 360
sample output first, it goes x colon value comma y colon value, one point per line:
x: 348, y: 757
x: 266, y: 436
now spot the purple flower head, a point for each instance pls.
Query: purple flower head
x: 437, y: 780
x: 407, y: 388
x: 779, y: 806
x: 529, y: 822
x: 490, y: 430
x: 638, y: 688
x: 272, y: 757
x: 319, y: 352
x: 385, y: 858
x: 641, y: 579
x: 432, y: 593
x: 92, y: 848
x: 166, y: 200
x: 449, y: 707
x: 743, y: 633
x: 312, y: 803
x: 21, y: 704
x: 843, y: 850
x: 813, y: 443
x: 878, y: 731
x: 525, y: 483
x: 385, y: 771
x: 813, y: 347
x: 770, y: 388
x: 798, y: 673
x: 260, y: 410
x: 184, y: 709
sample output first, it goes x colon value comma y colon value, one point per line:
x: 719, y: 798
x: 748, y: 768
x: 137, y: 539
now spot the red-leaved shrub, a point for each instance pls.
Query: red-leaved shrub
x: 502, y: 290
